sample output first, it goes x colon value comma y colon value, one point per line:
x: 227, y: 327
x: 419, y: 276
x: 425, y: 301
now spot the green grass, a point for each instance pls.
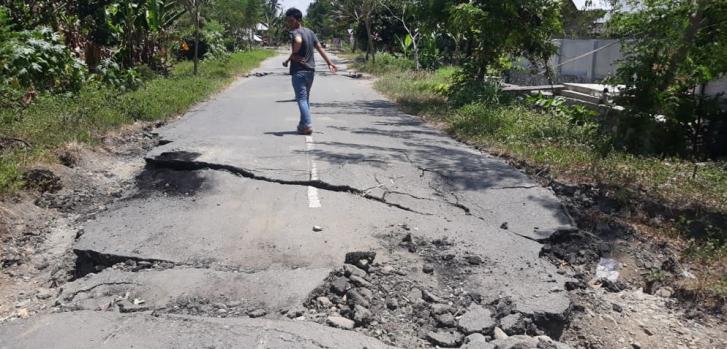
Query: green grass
x: 544, y: 139
x: 577, y: 154
x: 52, y: 121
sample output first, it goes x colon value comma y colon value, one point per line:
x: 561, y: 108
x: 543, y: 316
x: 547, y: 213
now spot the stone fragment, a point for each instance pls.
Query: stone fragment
x: 257, y: 313
x: 415, y: 295
x: 512, y: 324
x: 392, y: 303
x: 476, y: 341
x: 340, y: 322
x: 428, y: 268
x: 295, y: 312
x: 44, y: 293
x: 445, y: 320
x: 440, y: 309
x: 324, y: 302
x: 367, y: 293
x: 127, y: 306
x: 665, y: 292
x: 361, y: 315
x: 500, y: 334
x: 387, y: 269
x: 340, y: 286
x: 22, y: 313
x: 431, y: 297
x: 526, y: 342
x: 476, y: 319
x: 359, y: 281
x: 361, y: 259
x: 445, y: 339
x: 473, y: 260
x: 356, y: 298
x: 350, y: 269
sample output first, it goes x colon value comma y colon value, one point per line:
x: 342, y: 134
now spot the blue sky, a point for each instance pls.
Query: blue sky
x: 300, y: 4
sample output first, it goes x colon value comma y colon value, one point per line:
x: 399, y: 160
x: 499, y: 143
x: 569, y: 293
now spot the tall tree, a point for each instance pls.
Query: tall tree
x: 406, y: 12
x: 360, y: 11
x: 194, y: 8
x: 495, y: 30
x: 672, y: 49
x: 272, y: 18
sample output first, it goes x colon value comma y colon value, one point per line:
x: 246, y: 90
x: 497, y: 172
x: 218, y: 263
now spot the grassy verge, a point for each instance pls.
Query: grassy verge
x: 52, y: 121
x: 572, y: 152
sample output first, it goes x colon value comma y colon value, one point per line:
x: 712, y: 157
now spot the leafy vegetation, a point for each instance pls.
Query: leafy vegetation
x: 672, y: 49
x: 571, y: 144
x: 72, y: 70
x: 54, y: 120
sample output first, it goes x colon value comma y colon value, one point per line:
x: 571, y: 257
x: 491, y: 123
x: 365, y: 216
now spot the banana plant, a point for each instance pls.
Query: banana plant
x: 141, y: 23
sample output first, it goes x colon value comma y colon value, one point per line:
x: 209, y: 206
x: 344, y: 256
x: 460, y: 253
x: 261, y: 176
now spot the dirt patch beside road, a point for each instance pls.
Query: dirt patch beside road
x: 39, y: 224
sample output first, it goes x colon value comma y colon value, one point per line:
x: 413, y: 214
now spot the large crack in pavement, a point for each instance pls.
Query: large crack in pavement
x: 206, y: 247
x: 184, y: 165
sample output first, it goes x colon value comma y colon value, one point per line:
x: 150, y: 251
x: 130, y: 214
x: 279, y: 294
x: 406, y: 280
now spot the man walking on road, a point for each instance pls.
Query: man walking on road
x: 302, y: 65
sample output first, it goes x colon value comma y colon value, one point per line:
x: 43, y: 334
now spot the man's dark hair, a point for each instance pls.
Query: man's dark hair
x: 295, y: 13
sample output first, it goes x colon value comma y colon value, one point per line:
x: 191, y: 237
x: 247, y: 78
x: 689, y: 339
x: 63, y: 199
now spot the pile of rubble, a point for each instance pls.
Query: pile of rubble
x: 385, y: 301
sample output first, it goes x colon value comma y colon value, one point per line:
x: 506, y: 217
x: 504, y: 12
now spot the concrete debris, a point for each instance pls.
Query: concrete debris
x: 350, y: 269
x: 499, y: 333
x: 446, y: 320
x: 257, y: 313
x: 446, y: 339
x: 476, y: 319
x: 477, y: 341
x: 361, y: 259
x: 428, y: 268
x: 527, y: 342
x: 340, y: 322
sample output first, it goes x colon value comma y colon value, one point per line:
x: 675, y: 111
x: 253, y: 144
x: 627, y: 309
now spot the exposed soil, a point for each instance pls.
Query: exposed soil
x: 646, y: 307
x: 39, y: 224
x: 414, y: 298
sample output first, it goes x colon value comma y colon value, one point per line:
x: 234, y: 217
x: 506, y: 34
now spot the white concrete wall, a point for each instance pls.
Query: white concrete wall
x: 606, y: 59
x: 581, y: 67
x: 591, y: 67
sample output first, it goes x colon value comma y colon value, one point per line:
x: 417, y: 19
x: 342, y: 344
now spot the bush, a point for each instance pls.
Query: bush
x: 216, y: 46
x: 516, y: 124
x: 110, y: 73
x: 38, y: 60
x: 386, y: 63
x: 464, y: 90
x: 668, y: 55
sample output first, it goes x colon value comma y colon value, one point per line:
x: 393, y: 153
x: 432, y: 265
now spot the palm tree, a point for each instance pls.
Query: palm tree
x: 272, y: 17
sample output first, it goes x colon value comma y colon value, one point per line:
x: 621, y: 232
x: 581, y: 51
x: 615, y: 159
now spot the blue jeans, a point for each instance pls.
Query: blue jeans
x: 302, y: 83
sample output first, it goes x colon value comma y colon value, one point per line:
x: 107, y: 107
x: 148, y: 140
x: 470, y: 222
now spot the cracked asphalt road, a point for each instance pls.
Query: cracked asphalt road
x: 228, y: 203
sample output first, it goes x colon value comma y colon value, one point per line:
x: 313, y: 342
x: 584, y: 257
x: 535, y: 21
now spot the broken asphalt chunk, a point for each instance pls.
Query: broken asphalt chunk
x: 361, y: 259
x: 446, y: 339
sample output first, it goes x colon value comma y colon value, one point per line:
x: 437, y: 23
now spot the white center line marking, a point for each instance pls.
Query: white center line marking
x: 313, y: 200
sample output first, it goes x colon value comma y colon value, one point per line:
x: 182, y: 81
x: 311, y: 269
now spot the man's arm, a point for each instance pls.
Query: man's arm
x: 297, y: 44
x: 331, y: 66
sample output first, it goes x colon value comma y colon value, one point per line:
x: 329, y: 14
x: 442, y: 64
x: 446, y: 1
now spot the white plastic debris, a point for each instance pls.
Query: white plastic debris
x: 607, y: 269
